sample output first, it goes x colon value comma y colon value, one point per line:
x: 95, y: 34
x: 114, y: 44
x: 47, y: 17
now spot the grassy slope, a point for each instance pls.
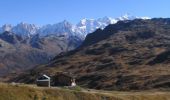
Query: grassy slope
x: 25, y: 92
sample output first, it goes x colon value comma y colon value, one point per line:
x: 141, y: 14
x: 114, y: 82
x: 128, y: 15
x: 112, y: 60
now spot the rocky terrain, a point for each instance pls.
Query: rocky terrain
x: 24, y: 46
x: 18, y: 53
x: 129, y: 55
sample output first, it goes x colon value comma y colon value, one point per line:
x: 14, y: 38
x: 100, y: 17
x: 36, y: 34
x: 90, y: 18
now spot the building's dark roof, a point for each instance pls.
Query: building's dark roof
x: 43, y: 77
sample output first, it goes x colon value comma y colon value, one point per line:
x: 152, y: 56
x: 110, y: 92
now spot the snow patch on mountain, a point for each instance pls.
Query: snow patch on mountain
x: 24, y: 29
x: 6, y: 27
x: 65, y: 28
x: 62, y: 28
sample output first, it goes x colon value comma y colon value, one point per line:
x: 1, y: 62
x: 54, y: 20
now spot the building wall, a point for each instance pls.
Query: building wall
x: 43, y: 83
x: 62, y: 80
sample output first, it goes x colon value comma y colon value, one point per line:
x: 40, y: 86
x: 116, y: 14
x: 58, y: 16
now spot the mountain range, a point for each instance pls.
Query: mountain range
x: 81, y: 29
x: 128, y: 55
x: 25, y: 46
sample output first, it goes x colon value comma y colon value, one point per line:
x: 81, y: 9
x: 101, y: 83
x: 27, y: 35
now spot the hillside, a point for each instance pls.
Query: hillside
x: 29, y: 92
x: 24, y: 46
x: 18, y: 53
x: 129, y: 55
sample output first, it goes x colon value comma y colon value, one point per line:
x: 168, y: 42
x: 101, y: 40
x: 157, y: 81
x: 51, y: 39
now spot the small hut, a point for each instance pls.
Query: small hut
x: 43, y: 80
x: 64, y: 79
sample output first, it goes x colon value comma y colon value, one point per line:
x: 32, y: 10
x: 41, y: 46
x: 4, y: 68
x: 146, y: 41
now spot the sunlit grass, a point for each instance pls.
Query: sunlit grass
x: 31, y: 92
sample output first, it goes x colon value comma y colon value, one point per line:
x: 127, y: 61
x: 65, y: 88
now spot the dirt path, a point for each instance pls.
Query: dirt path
x: 93, y: 91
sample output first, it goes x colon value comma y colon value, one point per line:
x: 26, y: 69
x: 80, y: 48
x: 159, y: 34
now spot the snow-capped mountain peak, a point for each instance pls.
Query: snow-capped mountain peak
x: 126, y: 17
x: 107, y: 20
x: 25, y: 29
x: 65, y: 28
x: 58, y: 29
x: 83, y: 21
x: 7, y: 27
x: 145, y: 18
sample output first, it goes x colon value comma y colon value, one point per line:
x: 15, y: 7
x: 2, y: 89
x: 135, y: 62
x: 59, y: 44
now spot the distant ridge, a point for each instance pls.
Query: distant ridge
x: 81, y: 29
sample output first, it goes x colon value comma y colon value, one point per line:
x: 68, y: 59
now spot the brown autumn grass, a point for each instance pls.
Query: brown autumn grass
x: 26, y: 92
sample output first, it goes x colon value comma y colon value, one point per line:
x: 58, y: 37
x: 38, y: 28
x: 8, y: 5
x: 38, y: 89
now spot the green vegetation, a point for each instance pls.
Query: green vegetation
x: 77, y: 88
x: 30, y: 92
